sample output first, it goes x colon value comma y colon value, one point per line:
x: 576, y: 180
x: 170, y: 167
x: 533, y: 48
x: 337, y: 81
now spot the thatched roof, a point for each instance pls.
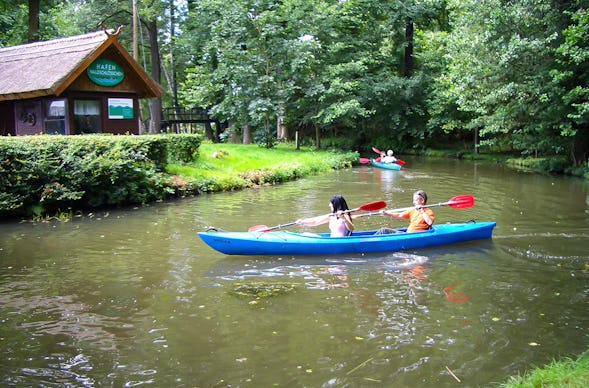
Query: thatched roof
x: 48, y: 68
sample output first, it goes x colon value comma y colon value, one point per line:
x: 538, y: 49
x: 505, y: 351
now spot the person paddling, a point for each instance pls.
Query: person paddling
x: 389, y: 158
x: 421, y: 217
x: 340, y: 222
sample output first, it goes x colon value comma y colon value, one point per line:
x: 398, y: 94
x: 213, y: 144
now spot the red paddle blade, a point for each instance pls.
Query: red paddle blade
x: 259, y: 228
x: 369, y: 207
x: 364, y: 160
x: 377, y: 150
x: 461, y: 201
x: 399, y: 161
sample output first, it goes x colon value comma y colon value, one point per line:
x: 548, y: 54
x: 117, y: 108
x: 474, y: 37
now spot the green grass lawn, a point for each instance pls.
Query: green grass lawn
x: 565, y: 373
x: 224, y: 167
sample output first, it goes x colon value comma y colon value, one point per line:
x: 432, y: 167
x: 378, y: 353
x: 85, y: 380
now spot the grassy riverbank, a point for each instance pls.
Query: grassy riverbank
x: 226, y: 167
x: 559, y: 165
x: 563, y: 373
x: 46, y: 177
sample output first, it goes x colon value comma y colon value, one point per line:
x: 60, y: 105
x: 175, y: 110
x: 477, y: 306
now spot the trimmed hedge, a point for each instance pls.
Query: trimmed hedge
x: 41, y: 175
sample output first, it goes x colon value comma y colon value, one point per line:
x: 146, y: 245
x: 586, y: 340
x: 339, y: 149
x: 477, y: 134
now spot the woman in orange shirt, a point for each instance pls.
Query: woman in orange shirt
x: 421, y: 217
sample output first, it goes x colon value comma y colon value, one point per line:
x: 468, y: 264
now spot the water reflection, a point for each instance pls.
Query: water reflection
x: 232, y: 269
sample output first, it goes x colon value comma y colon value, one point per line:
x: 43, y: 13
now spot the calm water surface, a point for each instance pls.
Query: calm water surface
x: 134, y: 298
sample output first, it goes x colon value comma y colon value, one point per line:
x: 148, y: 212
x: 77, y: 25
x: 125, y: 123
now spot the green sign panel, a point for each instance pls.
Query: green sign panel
x: 104, y: 72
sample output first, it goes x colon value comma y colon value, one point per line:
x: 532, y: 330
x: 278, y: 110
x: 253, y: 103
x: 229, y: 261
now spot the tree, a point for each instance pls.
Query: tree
x: 240, y: 64
x: 328, y: 66
x: 572, y: 76
x: 499, y: 72
x: 26, y: 21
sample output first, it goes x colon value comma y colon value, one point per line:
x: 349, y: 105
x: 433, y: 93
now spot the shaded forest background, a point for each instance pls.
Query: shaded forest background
x: 506, y: 76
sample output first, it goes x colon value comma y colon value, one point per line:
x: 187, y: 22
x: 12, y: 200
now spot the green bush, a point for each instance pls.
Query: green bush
x: 182, y: 148
x: 581, y: 171
x: 338, y: 143
x: 42, y: 175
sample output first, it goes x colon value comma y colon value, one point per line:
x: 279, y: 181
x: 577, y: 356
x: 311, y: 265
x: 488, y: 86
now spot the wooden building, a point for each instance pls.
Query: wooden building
x: 81, y: 84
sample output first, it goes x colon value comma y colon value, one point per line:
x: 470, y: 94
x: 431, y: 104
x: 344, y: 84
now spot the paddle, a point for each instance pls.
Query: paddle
x: 399, y: 161
x: 378, y: 151
x: 372, y: 206
x: 367, y: 161
x: 458, y: 202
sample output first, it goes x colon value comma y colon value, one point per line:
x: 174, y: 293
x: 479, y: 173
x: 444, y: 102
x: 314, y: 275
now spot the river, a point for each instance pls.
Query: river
x: 132, y: 297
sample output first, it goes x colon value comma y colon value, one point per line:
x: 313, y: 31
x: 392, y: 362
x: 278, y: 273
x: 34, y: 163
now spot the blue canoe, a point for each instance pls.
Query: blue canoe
x: 289, y: 243
x: 385, y: 166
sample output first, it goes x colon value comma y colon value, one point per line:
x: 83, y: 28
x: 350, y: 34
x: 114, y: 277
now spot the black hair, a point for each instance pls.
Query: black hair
x: 339, y: 203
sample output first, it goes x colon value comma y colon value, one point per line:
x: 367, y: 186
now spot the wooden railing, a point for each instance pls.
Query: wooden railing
x: 175, y: 118
x: 180, y: 114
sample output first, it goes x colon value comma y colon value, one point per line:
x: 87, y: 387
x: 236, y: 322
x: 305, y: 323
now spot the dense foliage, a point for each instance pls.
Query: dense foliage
x: 504, y: 76
x: 42, y: 175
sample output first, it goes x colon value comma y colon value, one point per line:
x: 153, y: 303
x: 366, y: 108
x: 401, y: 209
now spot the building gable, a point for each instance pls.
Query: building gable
x: 52, y: 67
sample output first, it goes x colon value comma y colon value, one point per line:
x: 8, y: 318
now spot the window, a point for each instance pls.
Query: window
x: 87, y: 116
x: 55, y: 116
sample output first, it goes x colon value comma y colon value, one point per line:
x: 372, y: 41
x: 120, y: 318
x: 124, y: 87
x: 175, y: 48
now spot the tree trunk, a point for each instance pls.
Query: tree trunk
x: 135, y: 31
x: 247, y: 134
x: 209, y: 132
x: 234, y: 138
x: 581, y: 146
x: 172, y: 44
x: 280, y: 128
x: 34, y: 20
x: 156, y: 103
x: 409, y: 48
x: 317, y: 137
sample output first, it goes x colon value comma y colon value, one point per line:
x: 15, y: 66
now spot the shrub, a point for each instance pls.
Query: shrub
x: 46, y: 174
